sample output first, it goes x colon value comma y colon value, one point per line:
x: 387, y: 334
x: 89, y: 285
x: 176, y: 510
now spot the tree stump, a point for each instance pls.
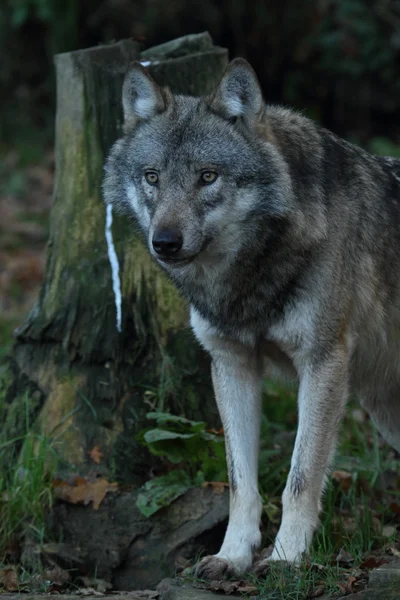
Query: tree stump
x: 94, y: 365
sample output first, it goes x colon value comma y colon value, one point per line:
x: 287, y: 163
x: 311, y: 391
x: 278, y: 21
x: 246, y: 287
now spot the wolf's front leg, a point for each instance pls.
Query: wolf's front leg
x: 237, y: 380
x: 237, y: 384
x: 321, y: 401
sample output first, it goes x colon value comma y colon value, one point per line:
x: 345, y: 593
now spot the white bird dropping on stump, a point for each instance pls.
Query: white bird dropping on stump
x: 112, y: 256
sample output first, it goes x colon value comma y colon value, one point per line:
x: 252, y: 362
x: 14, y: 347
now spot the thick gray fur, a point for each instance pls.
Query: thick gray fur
x: 290, y: 260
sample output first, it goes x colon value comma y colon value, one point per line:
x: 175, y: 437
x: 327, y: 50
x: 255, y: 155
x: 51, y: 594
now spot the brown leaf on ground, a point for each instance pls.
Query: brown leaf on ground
x: 248, y: 589
x: 84, y: 491
x: 218, y: 487
x: 372, y: 562
x: 227, y: 587
x: 343, y: 478
x: 349, y: 586
x: 57, y: 575
x: 317, y: 591
x: 95, y: 454
x: 233, y: 587
x: 394, y: 507
x: 9, y: 579
x: 216, y: 431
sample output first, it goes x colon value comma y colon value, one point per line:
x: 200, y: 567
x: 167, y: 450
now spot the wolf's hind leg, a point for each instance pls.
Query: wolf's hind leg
x: 384, y: 409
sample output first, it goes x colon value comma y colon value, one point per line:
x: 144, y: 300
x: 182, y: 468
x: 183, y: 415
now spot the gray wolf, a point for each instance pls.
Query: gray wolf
x: 285, y: 240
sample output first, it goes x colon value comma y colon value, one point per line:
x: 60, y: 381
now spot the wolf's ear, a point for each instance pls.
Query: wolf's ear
x: 238, y: 93
x: 141, y: 96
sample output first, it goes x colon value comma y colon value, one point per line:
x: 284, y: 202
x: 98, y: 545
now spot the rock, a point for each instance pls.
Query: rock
x: 120, y: 545
x: 171, y: 589
x: 374, y: 594
x: 384, y: 584
x: 386, y: 575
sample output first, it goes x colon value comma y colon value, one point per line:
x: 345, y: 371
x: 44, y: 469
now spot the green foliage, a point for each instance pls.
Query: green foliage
x: 27, y: 465
x: 163, y: 490
x: 180, y: 441
x: 353, y: 39
x: 384, y: 147
x: 21, y: 9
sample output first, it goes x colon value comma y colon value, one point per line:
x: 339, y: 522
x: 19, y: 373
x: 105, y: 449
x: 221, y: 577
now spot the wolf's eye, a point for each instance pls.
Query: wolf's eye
x: 151, y: 177
x: 208, y: 177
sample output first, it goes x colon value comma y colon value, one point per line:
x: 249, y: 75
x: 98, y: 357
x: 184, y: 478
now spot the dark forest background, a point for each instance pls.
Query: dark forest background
x: 337, y: 59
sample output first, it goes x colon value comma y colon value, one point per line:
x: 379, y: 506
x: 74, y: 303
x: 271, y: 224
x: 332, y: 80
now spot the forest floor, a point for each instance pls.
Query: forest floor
x: 360, y: 527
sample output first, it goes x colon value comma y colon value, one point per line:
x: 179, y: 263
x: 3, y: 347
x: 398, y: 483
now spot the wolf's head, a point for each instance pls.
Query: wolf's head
x: 200, y: 175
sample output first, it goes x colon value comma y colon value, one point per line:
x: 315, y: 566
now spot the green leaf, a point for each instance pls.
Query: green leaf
x: 174, y: 420
x: 171, y: 444
x: 162, y: 491
x: 156, y: 435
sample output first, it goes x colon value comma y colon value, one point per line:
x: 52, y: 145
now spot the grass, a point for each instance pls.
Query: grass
x: 27, y: 464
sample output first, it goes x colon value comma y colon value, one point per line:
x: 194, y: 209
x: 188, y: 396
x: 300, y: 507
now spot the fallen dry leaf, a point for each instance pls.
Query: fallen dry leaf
x: 218, y: 487
x: 248, y: 589
x: 84, y: 491
x: 96, y: 455
x: 216, y: 431
x: 349, y: 586
x: 9, y: 579
x: 317, y: 591
x: 56, y: 575
x: 372, y: 562
x: 227, y: 587
x: 343, y: 478
x: 394, y: 507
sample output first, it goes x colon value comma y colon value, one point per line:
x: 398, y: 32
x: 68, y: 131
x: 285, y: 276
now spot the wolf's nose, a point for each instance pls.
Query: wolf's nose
x: 167, y: 242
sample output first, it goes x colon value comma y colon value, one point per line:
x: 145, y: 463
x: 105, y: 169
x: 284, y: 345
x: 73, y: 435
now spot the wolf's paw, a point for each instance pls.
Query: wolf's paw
x: 218, y: 567
x: 212, y: 568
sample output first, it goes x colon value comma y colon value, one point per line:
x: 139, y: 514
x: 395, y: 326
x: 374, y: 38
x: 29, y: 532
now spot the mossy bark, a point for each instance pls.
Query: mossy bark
x: 95, y: 384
